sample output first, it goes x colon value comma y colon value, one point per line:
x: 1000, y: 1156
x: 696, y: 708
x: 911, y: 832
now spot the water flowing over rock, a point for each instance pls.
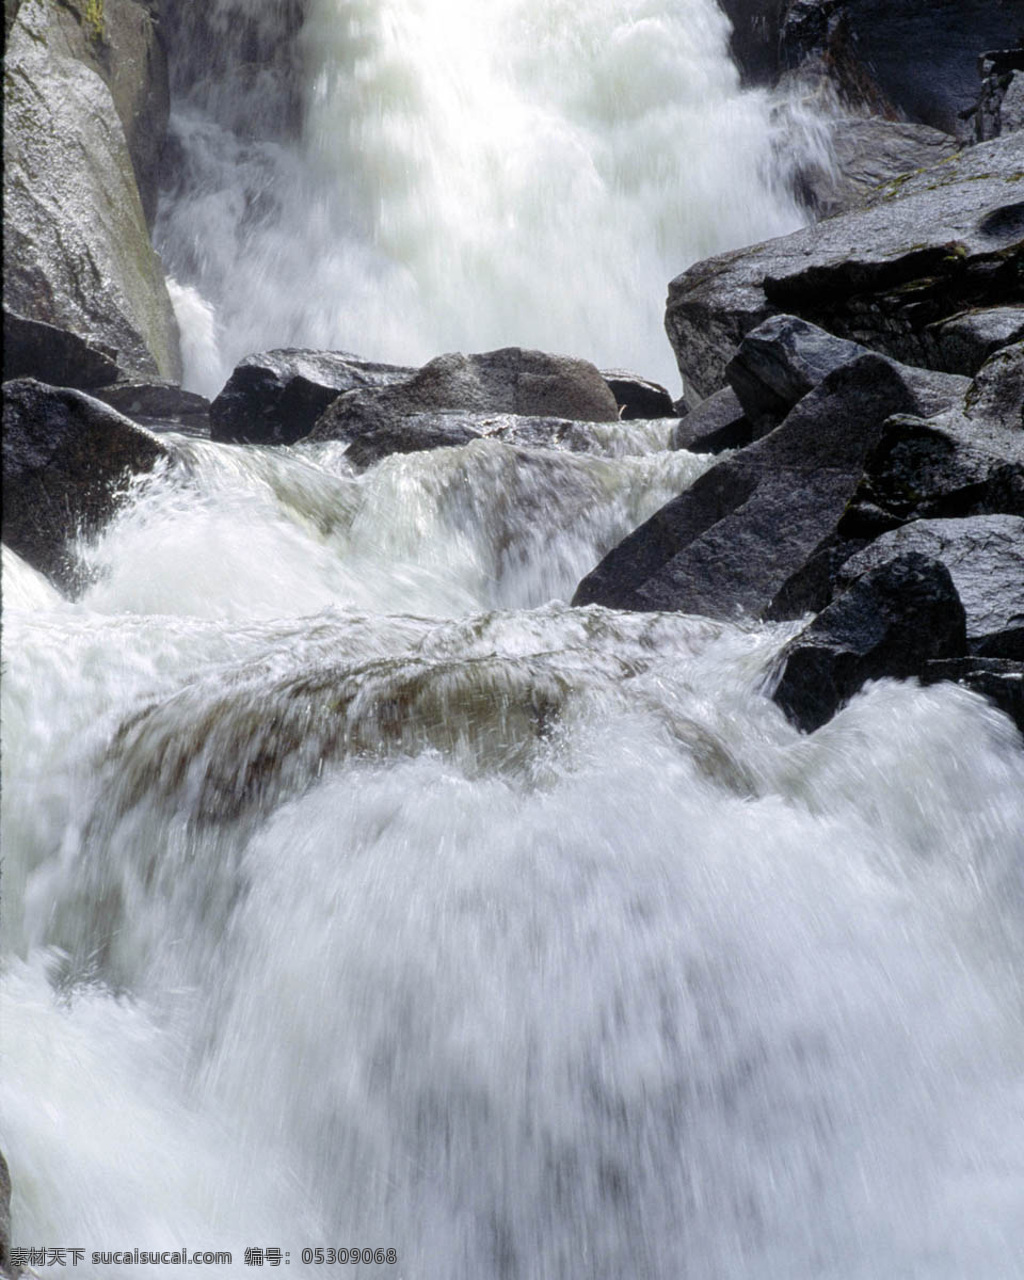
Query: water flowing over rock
x: 892, y: 621
x: 65, y: 457
x: 931, y: 246
x: 77, y: 253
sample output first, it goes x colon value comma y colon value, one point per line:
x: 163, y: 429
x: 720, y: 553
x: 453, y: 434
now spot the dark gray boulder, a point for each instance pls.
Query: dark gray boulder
x: 512, y: 380
x: 158, y: 404
x: 413, y: 434
x: 1000, y: 105
x: 968, y: 340
x: 718, y: 423
x: 66, y: 459
x: 275, y: 397
x: 731, y: 542
x: 638, y: 397
x: 77, y: 253
x: 33, y: 349
x: 985, y: 558
x: 1000, y: 680
x: 891, y: 622
x: 996, y: 396
x: 6, y: 1266
x: 931, y: 246
x: 777, y: 363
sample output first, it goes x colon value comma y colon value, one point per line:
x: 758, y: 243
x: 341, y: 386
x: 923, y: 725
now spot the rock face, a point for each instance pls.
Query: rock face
x: 275, y: 397
x: 930, y: 247
x: 732, y: 542
x: 65, y: 456
x: 869, y: 48
x: 891, y: 622
x: 985, y: 558
x: 512, y: 380
x: 76, y: 246
x: 1000, y: 107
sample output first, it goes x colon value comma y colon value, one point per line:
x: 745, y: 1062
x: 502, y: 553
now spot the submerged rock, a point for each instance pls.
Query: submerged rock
x: 77, y: 253
x: 66, y: 458
x: 893, y: 621
x: 931, y: 246
x: 158, y: 403
x: 1000, y: 680
x: 733, y: 541
x: 275, y: 397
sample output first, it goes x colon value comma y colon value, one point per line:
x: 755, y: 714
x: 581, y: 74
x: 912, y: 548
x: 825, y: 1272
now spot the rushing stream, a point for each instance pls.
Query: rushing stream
x: 359, y: 893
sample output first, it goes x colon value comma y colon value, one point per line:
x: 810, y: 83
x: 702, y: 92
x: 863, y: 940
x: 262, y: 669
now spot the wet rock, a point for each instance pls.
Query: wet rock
x: 985, y: 558
x: 33, y: 349
x: 66, y: 459
x: 996, y: 396
x: 968, y: 340
x: 718, y: 423
x: 638, y: 397
x: 918, y: 56
x: 275, y: 397
x: 868, y: 152
x: 731, y: 542
x: 512, y: 380
x: 413, y: 434
x: 77, y: 253
x: 777, y: 363
x: 931, y: 246
x: 1000, y: 105
x: 892, y: 621
x: 1000, y: 680
x: 158, y: 403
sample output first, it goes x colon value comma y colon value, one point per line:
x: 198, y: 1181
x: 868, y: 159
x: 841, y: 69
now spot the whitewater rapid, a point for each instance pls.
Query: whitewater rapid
x: 359, y: 892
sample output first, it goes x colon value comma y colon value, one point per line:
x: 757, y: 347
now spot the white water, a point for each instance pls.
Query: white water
x: 357, y: 892
x: 470, y: 176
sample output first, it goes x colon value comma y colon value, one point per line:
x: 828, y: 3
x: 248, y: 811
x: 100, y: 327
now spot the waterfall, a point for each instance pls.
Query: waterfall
x: 358, y: 892
x: 463, y: 177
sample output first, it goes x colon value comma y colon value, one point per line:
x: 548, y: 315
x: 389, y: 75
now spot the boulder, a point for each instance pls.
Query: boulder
x: 158, y: 404
x: 413, y: 434
x: 1000, y: 105
x: 985, y: 558
x: 891, y: 622
x: 718, y: 423
x: 77, y: 253
x: 929, y: 247
x: 512, y: 380
x: 33, y: 349
x: 275, y: 397
x: 777, y: 363
x: 968, y: 340
x: 6, y: 1266
x: 996, y: 396
x: 66, y: 459
x: 1000, y: 680
x: 638, y: 397
x: 731, y: 542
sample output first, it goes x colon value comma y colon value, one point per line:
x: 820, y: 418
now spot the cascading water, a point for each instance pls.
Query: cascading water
x: 358, y: 892
x: 461, y: 176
